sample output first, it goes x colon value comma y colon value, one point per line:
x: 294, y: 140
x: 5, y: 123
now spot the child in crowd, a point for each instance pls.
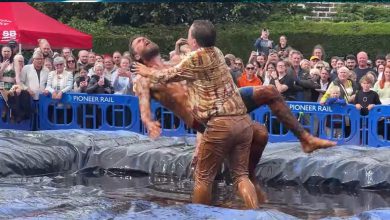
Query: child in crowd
x: 334, y: 99
x: 366, y: 98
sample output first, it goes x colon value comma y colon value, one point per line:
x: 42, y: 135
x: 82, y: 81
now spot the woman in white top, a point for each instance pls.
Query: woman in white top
x: 122, y: 78
x: 382, y: 87
x: 59, y: 81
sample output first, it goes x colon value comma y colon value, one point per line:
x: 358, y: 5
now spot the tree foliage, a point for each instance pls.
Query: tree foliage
x: 169, y: 13
x: 363, y: 12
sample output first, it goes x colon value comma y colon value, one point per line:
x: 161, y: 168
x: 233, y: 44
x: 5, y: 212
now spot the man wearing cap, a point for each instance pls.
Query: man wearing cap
x: 313, y: 61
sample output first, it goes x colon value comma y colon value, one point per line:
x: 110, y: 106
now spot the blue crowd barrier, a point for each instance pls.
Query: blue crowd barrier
x: 316, y: 119
x: 7, y: 121
x: 114, y: 112
x: 378, y: 126
x: 89, y: 111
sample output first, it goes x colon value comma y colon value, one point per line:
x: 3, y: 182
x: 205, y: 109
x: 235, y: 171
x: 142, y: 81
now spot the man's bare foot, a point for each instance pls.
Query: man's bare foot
x: 261, y: 195
x: 310, y: 143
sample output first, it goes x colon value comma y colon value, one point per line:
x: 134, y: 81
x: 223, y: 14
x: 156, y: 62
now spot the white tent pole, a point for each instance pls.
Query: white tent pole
x: 20, y: 48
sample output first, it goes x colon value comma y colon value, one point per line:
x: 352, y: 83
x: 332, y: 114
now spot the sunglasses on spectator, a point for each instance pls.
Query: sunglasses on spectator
x: 59, y: 64
x: 70, y: 61
x: 238, y: 63
x: 250, y: 68
x: 320, y: 67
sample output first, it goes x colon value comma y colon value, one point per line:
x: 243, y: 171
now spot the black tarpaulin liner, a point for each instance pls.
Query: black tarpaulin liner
x: 45, y: 152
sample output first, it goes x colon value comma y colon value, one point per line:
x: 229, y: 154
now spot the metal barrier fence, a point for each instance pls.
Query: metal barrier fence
x: 114, y: 112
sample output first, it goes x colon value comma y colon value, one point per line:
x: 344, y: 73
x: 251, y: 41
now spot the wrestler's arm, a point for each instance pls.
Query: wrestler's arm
x: 142, y: 90
x: 183, y: 71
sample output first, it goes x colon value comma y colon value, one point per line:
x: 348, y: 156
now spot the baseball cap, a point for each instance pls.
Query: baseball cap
x: 314, y: 58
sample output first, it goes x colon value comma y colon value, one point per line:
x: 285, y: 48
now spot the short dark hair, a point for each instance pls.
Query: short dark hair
x: 350, y: 57
x: 203, y: 31
x: 131, y: 50
x: 380, y: 57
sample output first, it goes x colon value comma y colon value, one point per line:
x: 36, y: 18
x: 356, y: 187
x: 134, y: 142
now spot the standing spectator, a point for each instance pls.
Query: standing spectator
x: 282, y: 48
x: 333, y: 61
x: 269, y: 68
x: 347, y: 86
x: 48, y: 63
x: 248, y: 77
x: 387, y: 59
x: 324, y: 82
x: 116, y: 57
x: 295, y: 58
x: 319, y: 52
x: 284, y: 82
x: 81, y: 81
x: 313, y: 61
x: 380, y: 70
x: 379, y: 60
x: 7, y: 72
x: 44, y: 47
x: 231, y: 58
x: 305, y: 65
x: 59, y: 81
x: 98, y: 84
x: 33, y: 77
x: 91, y: 59
x: 362, y: 67
x: 350, y: 62
x: 382, y: 87
x: 18, y: 66
x: 66, y: 52
x: 263, y: 44
x: 122, y: 80
x: 109, y: 67
x: 99, y: 59
x: 238, y: 68
x: 366, y: 98
x: 273, y: 57
x: 339, y: 63
x: 83, y: 59
x: 71, y: 65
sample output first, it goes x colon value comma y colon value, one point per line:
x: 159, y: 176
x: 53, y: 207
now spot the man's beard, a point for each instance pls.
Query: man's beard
x: 150, y: 53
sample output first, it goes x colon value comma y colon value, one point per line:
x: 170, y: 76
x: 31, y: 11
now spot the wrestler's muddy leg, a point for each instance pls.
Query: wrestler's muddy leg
x: 259, y: 141
x: 270, y: 96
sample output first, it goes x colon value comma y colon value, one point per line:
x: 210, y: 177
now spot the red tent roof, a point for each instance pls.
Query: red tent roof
x: 24, y: 24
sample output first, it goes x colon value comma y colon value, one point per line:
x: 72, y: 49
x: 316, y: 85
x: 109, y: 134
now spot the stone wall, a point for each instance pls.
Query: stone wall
x: 321, y: 10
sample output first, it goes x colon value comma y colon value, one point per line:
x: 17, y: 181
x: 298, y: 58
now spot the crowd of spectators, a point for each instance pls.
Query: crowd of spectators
x: 295, y: 77
x: 343, y: 79
x: 56, y: 73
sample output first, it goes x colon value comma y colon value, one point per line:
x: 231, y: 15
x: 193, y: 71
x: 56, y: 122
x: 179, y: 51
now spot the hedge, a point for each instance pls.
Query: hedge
x: 337, y: 38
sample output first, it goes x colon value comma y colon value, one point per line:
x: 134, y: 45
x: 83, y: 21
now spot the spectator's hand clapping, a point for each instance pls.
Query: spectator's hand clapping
x: 4, y: 65
x: 101, y: 81
x: 274, y: 75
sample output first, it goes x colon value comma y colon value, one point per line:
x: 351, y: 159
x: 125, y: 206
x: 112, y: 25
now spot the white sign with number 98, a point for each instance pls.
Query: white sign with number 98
x: 9, y: 35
